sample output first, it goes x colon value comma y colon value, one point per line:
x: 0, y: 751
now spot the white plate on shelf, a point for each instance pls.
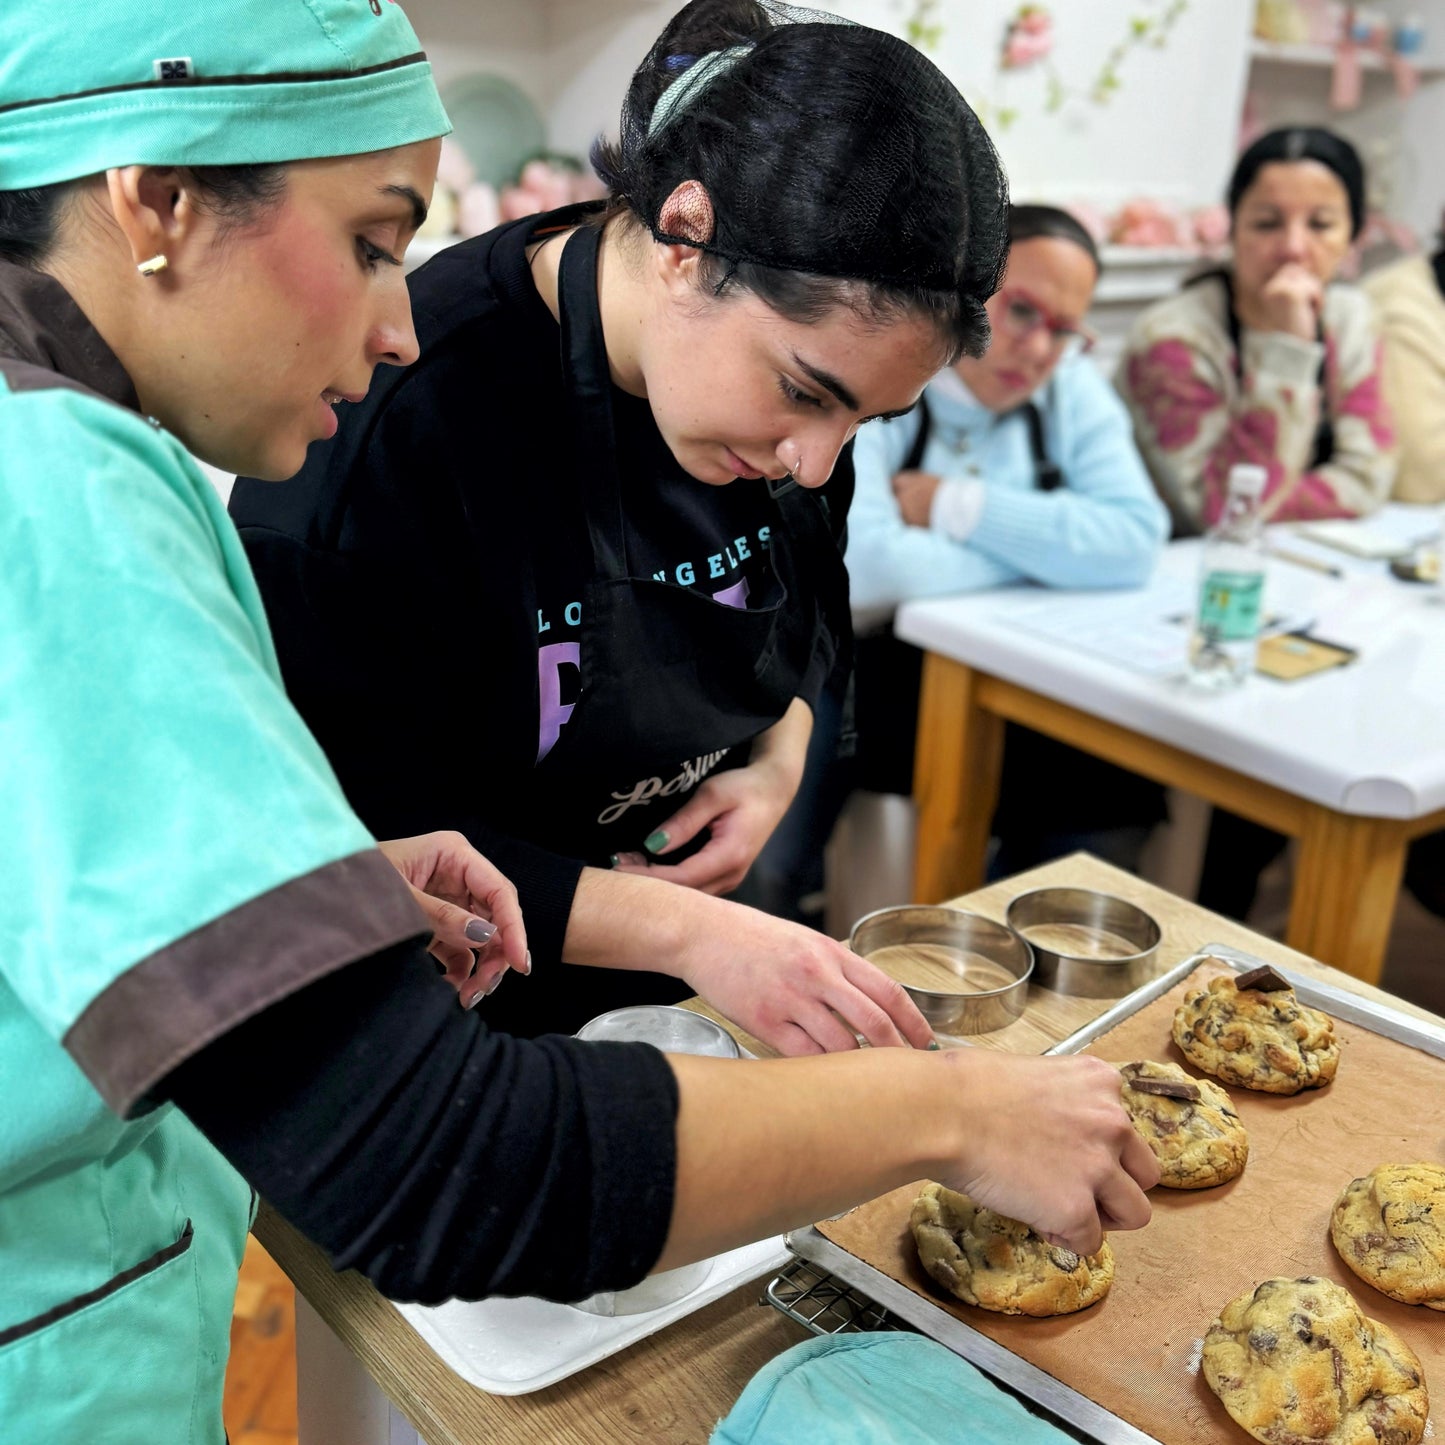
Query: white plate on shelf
x: 514, y: 1346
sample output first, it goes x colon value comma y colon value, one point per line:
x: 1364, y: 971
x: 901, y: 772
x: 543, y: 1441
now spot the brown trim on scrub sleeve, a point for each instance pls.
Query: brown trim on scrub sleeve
x: 185, y: 995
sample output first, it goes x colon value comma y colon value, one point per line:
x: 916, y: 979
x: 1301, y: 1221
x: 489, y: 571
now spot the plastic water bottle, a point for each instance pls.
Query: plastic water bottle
x: 1231, y: 587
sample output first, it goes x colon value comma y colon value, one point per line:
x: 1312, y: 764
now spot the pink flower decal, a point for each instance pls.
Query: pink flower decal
x: 1171, y: 396
x: 1253, y: 437
x: 1365, y: 401
x: 1313, y: 500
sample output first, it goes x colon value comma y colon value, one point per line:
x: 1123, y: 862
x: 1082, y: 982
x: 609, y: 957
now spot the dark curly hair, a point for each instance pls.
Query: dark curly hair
x: 842, y: 166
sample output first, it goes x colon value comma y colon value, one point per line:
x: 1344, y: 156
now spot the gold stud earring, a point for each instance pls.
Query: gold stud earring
x: 153, y: 267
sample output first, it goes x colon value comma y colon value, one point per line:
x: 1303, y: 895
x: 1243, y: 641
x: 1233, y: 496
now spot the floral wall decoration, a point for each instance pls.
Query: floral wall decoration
x: 1029, y: 41
x: 922, y: 28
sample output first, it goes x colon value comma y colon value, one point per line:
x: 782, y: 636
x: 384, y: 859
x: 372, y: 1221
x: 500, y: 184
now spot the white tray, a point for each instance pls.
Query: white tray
x: 513, y: 1346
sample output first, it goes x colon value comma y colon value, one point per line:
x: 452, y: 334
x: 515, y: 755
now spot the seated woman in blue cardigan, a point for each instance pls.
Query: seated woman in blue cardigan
x: 1017, y: 466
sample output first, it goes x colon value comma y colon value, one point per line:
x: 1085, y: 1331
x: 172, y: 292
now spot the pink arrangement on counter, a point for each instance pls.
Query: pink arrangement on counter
x: 464, y: 206
x: 1146, y: 222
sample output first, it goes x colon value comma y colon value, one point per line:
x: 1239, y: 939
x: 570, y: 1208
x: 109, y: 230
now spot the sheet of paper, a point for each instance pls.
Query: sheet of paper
x: 1148, y: 631
x: 1389, y: 533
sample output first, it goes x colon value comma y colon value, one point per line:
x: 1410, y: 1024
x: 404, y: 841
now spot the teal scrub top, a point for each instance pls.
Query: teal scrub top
x: 176, y: 855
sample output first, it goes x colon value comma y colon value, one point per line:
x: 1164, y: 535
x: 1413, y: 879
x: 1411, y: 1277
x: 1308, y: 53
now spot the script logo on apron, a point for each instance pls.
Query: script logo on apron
x: 649, y: 788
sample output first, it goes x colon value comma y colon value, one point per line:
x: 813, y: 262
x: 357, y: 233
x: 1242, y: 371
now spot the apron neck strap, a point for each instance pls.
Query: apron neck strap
x: 588, y: 382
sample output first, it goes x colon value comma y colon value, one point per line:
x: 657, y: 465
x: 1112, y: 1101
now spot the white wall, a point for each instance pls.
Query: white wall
x: 596, y: 45
x: 1106, y: 154
x: 1171, y: 131
x: 508, y: 37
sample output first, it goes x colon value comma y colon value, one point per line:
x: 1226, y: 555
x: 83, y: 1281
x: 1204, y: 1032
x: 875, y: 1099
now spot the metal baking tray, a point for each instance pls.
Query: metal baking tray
x: 1378, y: 1018
x: 1061, y: 1400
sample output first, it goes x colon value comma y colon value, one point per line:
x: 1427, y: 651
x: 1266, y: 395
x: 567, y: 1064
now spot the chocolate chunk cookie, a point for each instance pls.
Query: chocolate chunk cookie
x: 1389, y: 1227
x: 1190, y: 1124
x: 1296, y: 1363
x: 1000, y: 1264
x: 1256, y: 1038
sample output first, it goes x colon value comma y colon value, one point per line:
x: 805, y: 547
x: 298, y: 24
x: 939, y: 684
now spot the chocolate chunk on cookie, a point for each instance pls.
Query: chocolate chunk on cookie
x: 1263, y: 979
x: 1259, y: 1039
x: 1189, y: 1124
x: 1295, y: 1362
x: 1389, y: 1227
x: 1164, y: 1088
x: 997, y: 1263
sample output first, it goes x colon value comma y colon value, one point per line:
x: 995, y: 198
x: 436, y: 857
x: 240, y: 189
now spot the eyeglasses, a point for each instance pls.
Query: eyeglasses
x: 1023, y: 316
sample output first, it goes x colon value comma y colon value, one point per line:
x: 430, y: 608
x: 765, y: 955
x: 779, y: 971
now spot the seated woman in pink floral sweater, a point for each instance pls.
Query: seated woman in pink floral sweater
x: 1268, y: 360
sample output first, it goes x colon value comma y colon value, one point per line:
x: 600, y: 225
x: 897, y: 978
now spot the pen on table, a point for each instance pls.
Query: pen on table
x: 1300, y: 560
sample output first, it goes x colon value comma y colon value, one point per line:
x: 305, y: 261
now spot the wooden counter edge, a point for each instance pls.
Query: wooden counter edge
x: 448, y: 1411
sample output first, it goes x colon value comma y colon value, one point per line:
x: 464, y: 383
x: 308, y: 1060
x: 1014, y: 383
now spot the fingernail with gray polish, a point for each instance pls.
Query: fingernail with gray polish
x: 476, y: 999
x: 527, y: 963
x: 480, y: 931
x: 495, y: 984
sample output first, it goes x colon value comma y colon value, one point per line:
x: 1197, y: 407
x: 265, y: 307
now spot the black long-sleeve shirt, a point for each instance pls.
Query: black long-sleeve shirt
x: 418, y: 565
x: 436, y: 1157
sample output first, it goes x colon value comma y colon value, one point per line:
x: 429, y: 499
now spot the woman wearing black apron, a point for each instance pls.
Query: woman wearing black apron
x: 591, y: 541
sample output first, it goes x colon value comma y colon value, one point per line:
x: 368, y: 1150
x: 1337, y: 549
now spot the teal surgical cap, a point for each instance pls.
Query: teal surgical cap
x: 87, y: 86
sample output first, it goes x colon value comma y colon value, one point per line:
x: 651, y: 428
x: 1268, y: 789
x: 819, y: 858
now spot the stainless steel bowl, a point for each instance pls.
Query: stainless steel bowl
x: 673, y: 1030
x: 1115, y: 948
x: 991, y: 963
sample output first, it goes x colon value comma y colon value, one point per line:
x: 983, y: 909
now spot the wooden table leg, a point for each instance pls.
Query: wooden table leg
x: 955, y: 781
x: 1347, y: 878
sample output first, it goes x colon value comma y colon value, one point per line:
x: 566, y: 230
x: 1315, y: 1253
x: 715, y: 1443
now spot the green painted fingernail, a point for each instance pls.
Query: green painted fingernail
x: 656, y: 842
x: 613, y: 861
x: 934, y: 1044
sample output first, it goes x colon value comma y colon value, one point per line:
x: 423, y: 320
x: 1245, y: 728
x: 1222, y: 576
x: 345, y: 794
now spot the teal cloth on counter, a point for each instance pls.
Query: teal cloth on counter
x: 875, y: 1390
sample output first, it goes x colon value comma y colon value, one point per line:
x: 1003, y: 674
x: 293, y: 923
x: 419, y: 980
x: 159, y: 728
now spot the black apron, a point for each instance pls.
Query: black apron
x: 671, y: 678
x: 1046, y: 788
x: 888, y: 672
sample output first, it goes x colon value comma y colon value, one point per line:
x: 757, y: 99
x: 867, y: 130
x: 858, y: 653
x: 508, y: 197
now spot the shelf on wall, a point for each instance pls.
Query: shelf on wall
x: 1113, y: 255
x: 1139, y: 274
x: 1280, y: 52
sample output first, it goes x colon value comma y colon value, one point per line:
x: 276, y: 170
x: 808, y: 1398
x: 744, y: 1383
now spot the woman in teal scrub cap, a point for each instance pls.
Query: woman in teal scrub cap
x: 212, y: 980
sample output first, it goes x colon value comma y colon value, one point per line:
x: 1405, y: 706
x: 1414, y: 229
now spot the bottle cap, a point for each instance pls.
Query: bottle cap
x: 1247, y: 481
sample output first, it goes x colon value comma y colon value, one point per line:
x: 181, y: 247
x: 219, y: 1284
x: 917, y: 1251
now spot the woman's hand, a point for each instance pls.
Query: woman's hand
x: 1042, y: 1140
x: 1049, y: 1142
x: 915, y: 492
x: 1290, y: 301
x: 740, y: 808
x: 477, y: 929
x: 797, y: 990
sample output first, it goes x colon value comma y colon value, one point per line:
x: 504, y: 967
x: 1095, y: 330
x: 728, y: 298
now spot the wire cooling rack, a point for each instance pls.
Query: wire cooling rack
x: 822, y: 1303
